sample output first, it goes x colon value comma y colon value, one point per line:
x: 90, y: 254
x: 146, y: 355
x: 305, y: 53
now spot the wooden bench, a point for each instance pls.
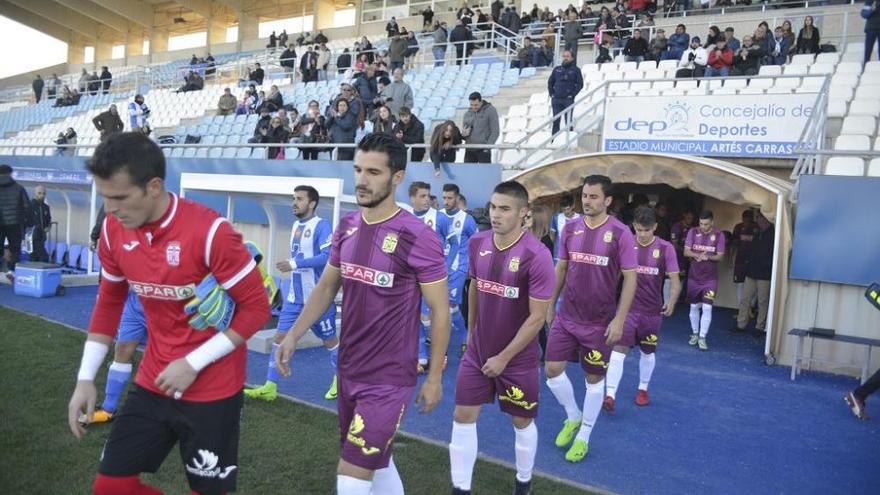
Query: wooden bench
x: 802, y: 334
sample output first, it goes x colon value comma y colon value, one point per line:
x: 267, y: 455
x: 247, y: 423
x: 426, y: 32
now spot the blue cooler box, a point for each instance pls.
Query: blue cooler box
x: 37, y: 279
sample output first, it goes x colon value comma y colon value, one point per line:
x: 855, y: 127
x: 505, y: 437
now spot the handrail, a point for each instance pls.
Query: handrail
x: 813, y: 134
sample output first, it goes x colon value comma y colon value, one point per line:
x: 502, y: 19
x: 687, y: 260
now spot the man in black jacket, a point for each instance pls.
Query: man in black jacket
x: 40, y: 219
x: 106, y: 79
x: 410, y: 130
x: 38, y: 88
x: 108, y: 123
x: 343, y: 62
x: 14, y: 205
x: 459, y: 36
x: 759, y: 271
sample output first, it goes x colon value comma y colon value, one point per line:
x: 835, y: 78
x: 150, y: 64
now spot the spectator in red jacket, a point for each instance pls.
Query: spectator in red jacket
x: 720, y: 60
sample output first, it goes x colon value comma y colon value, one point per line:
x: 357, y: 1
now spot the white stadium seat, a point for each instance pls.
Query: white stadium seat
x: 859, y: 124
x: 821, y: 69
x: 845, y: 79
x: 770, y: 70
x: 837, y: 108
x: 847, y: 142
x: 845, y: 165
x: 866, y: 106
x: 847, y: 67
x: 874, y: 168
x: 796, y: 70
x: 828, y: 58
x: 804, y: 59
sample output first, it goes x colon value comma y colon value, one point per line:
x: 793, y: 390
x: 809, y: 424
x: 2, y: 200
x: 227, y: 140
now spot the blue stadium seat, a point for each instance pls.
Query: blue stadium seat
x: 60, y: 253
x: 243, y: 153
x: 96, y: 262
x: 177, y: 153
x: 189, y: 153
x: 446, y: 113
x: 229, y: 152
x: 76, y: 258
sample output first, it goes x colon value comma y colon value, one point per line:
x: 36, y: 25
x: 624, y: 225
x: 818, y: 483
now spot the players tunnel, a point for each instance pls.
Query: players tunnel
x: 723, y: 187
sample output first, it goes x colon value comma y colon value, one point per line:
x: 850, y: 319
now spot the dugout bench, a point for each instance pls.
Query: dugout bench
x: 803, y: 334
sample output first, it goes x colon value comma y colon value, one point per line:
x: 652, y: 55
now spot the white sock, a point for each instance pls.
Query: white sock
x: 592, y: 406
x: 463, y: 454
x: 346, y: 485
x: 526, y: 448
x: 564, y: 393
x: 614, y: 374
x: 695, y: 318
x: 386, y: 481
x: 740, y: 288
x: 646, y: 369
x: 706, y: 320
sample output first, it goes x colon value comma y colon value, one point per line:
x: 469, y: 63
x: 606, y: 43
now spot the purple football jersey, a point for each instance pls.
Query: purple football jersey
x: 382, y: 265
x: 506, y: 280
x: 596, y: 256
x: 711, y: 243
x: 656, y: 260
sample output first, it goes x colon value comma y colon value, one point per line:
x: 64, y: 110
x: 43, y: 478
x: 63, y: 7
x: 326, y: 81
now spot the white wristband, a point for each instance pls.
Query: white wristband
x: 212, y: 350
x: 292, y: 264
x: 93, y: 355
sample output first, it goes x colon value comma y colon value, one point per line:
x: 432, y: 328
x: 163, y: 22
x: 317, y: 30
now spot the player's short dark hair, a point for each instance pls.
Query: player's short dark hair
x: 450, y: 187
x: 381, y: 142
x: 475, y: 96
x: 513, y: 189
x: 645, y: 216
x: 748, y: 215
x: 5, y: 169
x: 602, y: 180
x: 310, y: 191
x: 566, y: 201
x: 132, y: 152
x: 707, y: 215
x: 416, y: 186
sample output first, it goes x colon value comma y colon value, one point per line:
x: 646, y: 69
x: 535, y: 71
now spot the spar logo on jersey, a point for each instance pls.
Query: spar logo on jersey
x: 588, y: 258
x: 172, y: 253
x: 367, y: 275
x: 497, y: 289
x: 164, y: 292
x: 205, y: 466
x: 594, y: 358
x: 389, y: 244
x: 514, y: 264
x: 648, y: 270
x: 703, y: 247
x: 515, y: 395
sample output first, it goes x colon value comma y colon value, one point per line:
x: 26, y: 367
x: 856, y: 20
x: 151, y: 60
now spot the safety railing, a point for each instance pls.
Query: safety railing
x: 813, y: 135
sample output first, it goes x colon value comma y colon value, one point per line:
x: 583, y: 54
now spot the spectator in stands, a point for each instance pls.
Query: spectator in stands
x: 480, y: 126
x: 606, y: 49
x: 525, y: 56
x: 227, y: 103
x: 300, y: 39
x: 84, y: 81
x: 106, y: 79
x: 287, y: 60
x: 789, y: 36
x: 283, y: 38
x: 397, y: 51
x: 444, y: 139
x: 636, y: 48
x: 367, y: 87
x: 747, y: 61
x: 464, y: 11
x: 871, y: 13
x: 194, y: 60
x: 367, y: 47
x: 677, y: 44
x: 383, y: 120
x: 777, y: 53
x: 427, y: 18
x: 192, y: 82
x: 308, y: 65
x: 94, y: 83
x: 712, y: 38
x: 138, y: 111
x: 693, y: 61
x: 392, y: 28
x: 37, y: 86
x: 441, y: 37
x: 65, y: 98
x: 355, y: 104
x: 731, y: 40
x: 314, y: 130
x: 657, y: 46
x: 497, y: 6
x: 398, y: 93
x: 563, y: 86
x: 321, y: 38
x: 54, y: 84
x: 622, y: 32
x: 108, y: 123
x: 343, y: 61
x: 276, y: 133
x: 808, y: 37
x: 571, y: 33
x: 412, y: 47
x: 342, y: 127
x: 460, y: 38
x: 262, y: 126
x: 720, y: 60
x: 275, y: 97
x: 759, y: 268
x: 323, y: 61
x: 273, y: 41
x: 66, y: 137
x: 410, y: 130
x: 40, y: 219
x: 646, y: 22
x: 14, y: 204
x: 308, y: 40
x: 761, y: 38
x: 548, y: 36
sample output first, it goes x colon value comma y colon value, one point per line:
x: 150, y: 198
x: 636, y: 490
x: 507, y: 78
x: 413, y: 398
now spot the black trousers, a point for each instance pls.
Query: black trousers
x: 472, y: 155
x: 560, y: 104
x: 39, y: 253
x: 869, y: 387
x: 12, y: 233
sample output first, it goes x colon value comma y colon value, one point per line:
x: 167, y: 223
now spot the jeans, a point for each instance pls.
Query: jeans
x: 635, y: 58
x: 572, y: 46
x: 713, y: 72
x: 439, y: 56
x: 871, y: 38
x: 559, y: 104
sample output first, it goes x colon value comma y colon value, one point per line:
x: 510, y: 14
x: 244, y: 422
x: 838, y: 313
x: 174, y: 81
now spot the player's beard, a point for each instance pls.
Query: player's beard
x: 376, y: 197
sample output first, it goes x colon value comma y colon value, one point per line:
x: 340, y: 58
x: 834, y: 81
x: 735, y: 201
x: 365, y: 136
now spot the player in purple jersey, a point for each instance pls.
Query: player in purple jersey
x: 657, y: 260
x: 512, y: 278
x: 704, y: 247
x: 595, y: 252
x: 386, y: 260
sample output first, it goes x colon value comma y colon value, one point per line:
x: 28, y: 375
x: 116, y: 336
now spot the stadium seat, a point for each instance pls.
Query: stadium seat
x: 796, y: 70
x: 804, y: 59
x: 845, y: 165
x: 668, y: 64
x: 837, y: 108
x: 867, y: 91
x: 872, y: 67
x: 229, y: 152
x: 828, y: 58
x: 61, y: 253
x: 686, y: 84
x: 786, y: 82
x: 847, y: 142
x: 866, y: 106
x: 74, y: 255
x: 870, y: 78
x: 877, y: 144
x: 243, y: 153
x: 859, y: 124
x: 848, y: 80
x: 846, y: 67
x: 874, y: 168
x: 821, y: 68
x: 770, y: 70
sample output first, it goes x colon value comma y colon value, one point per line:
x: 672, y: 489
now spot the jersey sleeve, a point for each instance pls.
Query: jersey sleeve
x: 671, y: 259
x: 562, y: 247
x: 472, y: 259
x: 470, y: 227
x: 721, y: 244
x: 689, y: 239
x: 542, y: 275
x: 336, y: 242
x: 323, y: 234
x: 112, y: 290
x: 426, y: 258
x: 626, y: 250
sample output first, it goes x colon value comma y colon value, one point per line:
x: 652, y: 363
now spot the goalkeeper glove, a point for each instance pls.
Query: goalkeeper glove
x: 268, y: 280
x: 211, y: 306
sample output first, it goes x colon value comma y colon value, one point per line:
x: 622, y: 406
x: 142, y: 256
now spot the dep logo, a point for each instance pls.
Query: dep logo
x: 675, y: 122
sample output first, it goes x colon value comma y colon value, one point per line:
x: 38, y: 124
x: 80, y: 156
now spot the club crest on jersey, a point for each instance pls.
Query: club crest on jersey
x: 172, y: 253
x: 514, y: 264
x: 389, y: 244
x: 712, y: 238
x: 656, y: 253
x: 307, y: 234
x: 608, y: 237
x: 458, y: 224
x: 430, y: 223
